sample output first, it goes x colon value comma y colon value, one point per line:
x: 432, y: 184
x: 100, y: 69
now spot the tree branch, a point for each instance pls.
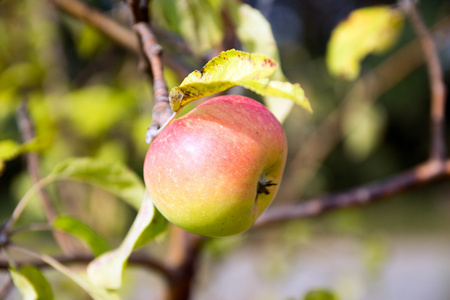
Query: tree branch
x: 374, y: 84
x: 109, y: 27
x: 152, y: 53
x: 437, y: 87
x: 422, y: 174
x: 6, y: 287
x: 136, y: 260
x: 27, y: 130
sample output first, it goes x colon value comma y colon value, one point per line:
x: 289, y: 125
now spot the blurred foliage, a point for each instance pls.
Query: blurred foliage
x: 320, y: 295
x: 367, y: 30
x: 88, y: 99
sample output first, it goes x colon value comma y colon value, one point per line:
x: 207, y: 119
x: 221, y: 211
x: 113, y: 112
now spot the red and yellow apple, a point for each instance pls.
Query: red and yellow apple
x: 216, y: 169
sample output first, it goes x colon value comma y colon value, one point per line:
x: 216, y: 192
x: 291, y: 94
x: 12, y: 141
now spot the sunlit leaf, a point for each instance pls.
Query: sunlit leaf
x: 77, y: 228
x: 199, y: 22
x: 23, y: 284
x: 106, y: 270
x: 94, y: 110
x: 233, y: 68
x: 114, y: 177
x: 158, y: 225
x: 40, y: 283
x: 366, y: 30
x: 364, y: 127
x: 255, y: 34
x: 278, y: 89
x: 97, y: 293
x: 320, y: 295
x: 10, y: 149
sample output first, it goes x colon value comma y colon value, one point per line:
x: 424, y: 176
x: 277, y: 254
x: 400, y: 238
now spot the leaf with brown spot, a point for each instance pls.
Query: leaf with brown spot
x: 233, y: 68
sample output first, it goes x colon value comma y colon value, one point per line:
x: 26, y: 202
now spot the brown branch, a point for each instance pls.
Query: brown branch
x: 422, y: 174
x: 366, y: 90
x: 136, y: 260
x: 6, y: 287
x: 152, y: 53
x: 116, y: 32
x: 109, y: 27
x: 183, y: 263
x: 27, y: 130
x: 139, y: 10
x: 437, y: 149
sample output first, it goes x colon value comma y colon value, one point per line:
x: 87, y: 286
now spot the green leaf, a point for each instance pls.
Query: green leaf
x: 97, y: 293
x: 255, y: 34
x: 106, y: 270
x: 106, y: 107
x: 114, y: 177
x: 9, y: 149
x: 364, y: 126
x: 23, y: 284
x: 278, y: 89
x: 366, y: 30
x: 158, y: 226
x: 320, y: 295
x: 40, y: 283
x: 82, y: 231
x: 229, y: 69
x: 199, y: 22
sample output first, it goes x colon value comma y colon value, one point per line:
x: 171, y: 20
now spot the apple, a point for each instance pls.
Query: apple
x: 216, y: 169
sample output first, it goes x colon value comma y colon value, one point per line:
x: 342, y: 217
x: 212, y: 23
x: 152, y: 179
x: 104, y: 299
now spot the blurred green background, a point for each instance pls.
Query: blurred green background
x: 87, y: 97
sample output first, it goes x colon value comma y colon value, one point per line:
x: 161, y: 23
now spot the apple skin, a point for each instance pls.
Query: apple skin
x: 215, y: 170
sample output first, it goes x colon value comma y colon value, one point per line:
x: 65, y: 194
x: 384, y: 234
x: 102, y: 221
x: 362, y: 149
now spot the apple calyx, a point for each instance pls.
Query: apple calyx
x: 263, y: 185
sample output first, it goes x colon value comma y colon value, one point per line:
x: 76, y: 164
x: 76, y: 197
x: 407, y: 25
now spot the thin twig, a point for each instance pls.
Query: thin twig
x: 437, y: 86
x: 27, y: 130
x: 6, y: 287
x: 109, y: 27
x: 153, y: 52
x: 116, y: 32
x: 135, y: 260
x: 367, y: 89
x: 139, y: 10
x: 423, y: 174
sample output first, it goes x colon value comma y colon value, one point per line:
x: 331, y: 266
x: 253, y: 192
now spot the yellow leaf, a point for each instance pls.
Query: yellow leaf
x: 255, y: 34
x: 233, y: 68
x: 366, y: 30
x: 280, y: 89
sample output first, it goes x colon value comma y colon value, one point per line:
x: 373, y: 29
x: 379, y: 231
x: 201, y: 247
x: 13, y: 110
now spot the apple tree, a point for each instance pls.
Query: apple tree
x: 153, y: 135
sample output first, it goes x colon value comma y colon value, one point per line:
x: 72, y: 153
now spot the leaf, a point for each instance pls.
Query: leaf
x: 25, y: 287
x: 97, y: 293
x: 40, y: 283
x: 278, y: 89
x: 114, y: 177
x: 255, y: 34
x: 320, y: 295
x: 82, y: 231
x: 106, y: 270
x: 364, y: 126
x: 9, y: 149
x: 366, y: 30
x: 229, y: 69
x: 199, y: 22
x: 158, y: 225
x: 106, y: 107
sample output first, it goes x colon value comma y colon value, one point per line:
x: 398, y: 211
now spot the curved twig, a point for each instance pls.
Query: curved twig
x: 423, y: 174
